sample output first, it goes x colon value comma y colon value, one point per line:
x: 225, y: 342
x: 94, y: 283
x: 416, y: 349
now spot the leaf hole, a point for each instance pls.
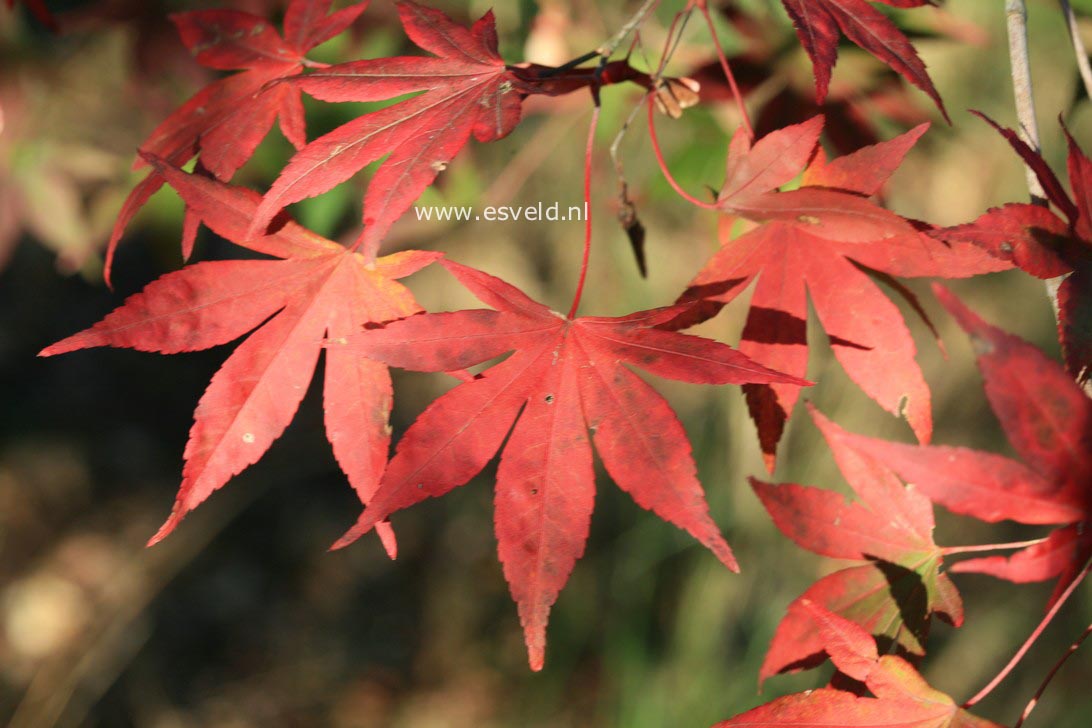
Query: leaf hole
x: 549, y: 399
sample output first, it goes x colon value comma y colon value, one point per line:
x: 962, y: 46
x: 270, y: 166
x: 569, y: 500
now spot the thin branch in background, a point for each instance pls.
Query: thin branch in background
x: 1078, y: 46
x: 1050, y: 676
x: 1016, y: 14
x: 627, y: 210
x: 1032, y: 638
x: 607, y: 49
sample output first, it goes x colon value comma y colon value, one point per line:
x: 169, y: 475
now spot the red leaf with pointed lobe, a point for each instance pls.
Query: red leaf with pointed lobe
x: 1047, y: 246
x: 314, y: 289
x: 1048, y: 420
x: 467, y: 91
x: 903, y: 698
x: 814, y: 240
x: 820, y: 23
x: 566, y: 378
x: 890, y: 528
x: 223, y: 123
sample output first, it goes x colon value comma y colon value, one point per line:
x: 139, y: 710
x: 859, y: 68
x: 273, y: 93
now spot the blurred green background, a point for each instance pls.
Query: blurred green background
x: 241, y: 618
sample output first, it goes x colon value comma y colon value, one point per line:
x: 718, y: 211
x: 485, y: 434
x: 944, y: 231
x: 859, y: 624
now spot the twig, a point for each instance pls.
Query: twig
x: 1078, y: 46
x: 1050, y: 676
x: 607, y: 49
x: 1032, y: 638
x: 1016, y: 14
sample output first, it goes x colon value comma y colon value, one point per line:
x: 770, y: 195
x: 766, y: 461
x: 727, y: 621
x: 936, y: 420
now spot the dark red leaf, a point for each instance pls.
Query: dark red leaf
x: 820, y: 23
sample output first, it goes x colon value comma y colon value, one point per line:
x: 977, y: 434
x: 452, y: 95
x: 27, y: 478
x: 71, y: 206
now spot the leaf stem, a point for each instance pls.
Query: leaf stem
x: 1032, y: 638
x: 587, y: 212
x: 1078, y: 46
x: 663, y: 163
x: 950, y: 550
x: 727, y: 69
x: 1050, y: 676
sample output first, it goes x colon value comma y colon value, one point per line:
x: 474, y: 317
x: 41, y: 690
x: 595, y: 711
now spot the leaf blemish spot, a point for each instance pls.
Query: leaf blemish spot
x: 549, y: 399
x: 809, y: 219
x: 248, y: 437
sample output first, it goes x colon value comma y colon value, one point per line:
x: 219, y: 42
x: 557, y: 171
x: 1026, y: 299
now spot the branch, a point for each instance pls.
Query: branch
x: 1032, y: 638
x: 1078, y: 47
x: 1050, y: 676
x: 607, y: 49
x: 1016, y: 14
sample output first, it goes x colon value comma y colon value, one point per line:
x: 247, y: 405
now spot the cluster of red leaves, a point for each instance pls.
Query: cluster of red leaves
x: 1047, y: 245
x: 900, y: 695
x: 827, y: 238
x: 566, y: 377
x: 765, y: 61
x: 567, y: 386
x: 316, y: 289
x: 223, y: 123
x: 1048, y: 420
x: 820, y: 23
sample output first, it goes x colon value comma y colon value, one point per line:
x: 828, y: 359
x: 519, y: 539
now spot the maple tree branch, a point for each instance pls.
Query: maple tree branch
x: 587, y: 210
x: 1016, y: 14
x: 950, y: 550
x: 1032, y: 638
x: 1050, y: 676
x: 607, y: 49
x: 1080, y: 51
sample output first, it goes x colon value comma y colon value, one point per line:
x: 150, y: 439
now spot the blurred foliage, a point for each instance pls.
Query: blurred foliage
x: 241, y: 618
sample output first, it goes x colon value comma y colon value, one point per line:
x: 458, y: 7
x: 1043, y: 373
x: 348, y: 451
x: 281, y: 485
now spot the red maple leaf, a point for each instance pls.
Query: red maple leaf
x: 224, y: 122
x: 316, y: 288
x: 821, y: 239
x: 890, y: 528
x: 565, y: 377
x: 1048, y: 420
x: 902, y: 696
x: 820, y: 23
x: 1048, y: 246
x: 40, y: 11
x: 854, y: 111
x: 467, y: 91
